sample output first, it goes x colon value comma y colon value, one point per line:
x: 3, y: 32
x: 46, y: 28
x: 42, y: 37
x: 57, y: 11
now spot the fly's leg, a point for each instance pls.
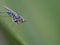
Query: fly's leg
x: 9, y: 13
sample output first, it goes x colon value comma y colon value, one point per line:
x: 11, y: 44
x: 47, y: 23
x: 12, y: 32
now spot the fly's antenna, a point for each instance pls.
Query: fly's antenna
x: 2, y: 12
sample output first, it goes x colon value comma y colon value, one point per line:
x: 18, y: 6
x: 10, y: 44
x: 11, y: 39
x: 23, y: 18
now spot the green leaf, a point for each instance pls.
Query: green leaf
x: 42, y: 26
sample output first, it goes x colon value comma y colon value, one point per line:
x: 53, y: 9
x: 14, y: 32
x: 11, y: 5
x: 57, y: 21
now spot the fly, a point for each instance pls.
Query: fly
x: 17, y: 18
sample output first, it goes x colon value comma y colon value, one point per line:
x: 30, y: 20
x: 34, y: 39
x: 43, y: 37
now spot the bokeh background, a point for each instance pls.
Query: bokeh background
x: 42, y: 26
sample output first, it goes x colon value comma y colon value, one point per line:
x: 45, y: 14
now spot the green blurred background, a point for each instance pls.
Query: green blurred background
x: 42, y: 26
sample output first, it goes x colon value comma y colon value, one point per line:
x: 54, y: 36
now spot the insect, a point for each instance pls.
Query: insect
x: 17, y: 18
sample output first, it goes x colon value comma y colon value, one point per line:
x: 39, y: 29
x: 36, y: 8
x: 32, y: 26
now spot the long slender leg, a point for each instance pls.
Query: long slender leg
x: 2, y: 12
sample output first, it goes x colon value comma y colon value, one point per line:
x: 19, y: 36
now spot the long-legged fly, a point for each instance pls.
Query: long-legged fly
x: 17, y: 18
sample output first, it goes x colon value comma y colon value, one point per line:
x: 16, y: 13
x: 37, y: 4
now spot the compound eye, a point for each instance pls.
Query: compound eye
x: 21, y: 20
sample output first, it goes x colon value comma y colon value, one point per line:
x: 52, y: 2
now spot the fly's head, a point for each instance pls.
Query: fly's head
x: 19, y: 20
